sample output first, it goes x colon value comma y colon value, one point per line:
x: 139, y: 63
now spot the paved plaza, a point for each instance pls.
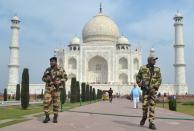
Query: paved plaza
x: 105, y: 116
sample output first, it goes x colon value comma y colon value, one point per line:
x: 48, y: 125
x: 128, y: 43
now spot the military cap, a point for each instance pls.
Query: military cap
x: 53, y: 58
x: 152, y: 57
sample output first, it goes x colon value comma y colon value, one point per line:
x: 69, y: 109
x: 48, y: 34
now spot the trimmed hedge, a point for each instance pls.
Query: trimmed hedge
x: 18, y: 92
x: 83, y: 92
x: 172, y: 103
x: 25, y: 89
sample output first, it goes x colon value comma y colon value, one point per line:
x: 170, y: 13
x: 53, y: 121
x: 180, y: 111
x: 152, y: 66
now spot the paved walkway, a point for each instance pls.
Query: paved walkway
x: 118, y: 116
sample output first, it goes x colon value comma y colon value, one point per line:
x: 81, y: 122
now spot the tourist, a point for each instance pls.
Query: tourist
x: 135, y: 95
x: 110, y: 92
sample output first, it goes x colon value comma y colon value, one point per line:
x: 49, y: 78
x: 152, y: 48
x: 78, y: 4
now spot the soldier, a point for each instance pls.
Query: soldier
x: 55, y: 78
x: 149, y: 79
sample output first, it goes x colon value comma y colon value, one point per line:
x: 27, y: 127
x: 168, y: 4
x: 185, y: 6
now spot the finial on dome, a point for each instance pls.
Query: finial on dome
x: 152, y: 52
x: 16, y: 18
x: 100, y: 7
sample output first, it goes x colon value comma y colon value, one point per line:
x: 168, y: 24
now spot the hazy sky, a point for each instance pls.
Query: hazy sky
x: 49, y: 24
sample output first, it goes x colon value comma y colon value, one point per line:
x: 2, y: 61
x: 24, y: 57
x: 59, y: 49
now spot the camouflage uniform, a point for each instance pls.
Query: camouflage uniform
x: 52, y: 93
x: 151, y: 77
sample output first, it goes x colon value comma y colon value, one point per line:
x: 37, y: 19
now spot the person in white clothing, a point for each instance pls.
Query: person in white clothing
x: 135, y: 95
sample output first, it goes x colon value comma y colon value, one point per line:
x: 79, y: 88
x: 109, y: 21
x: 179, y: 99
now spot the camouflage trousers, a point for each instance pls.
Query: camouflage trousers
x: 149, y: 104
x: 51, y: 97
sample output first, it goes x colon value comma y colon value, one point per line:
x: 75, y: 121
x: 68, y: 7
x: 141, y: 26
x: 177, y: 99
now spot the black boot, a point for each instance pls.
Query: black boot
x: 47, y: 118
x: 55, y: 118
x: 152, y: 126
x: 142, y: 122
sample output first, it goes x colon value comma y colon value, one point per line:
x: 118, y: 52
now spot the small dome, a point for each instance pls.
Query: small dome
x: 16, y: 18
x: 123, y: 40
x: 178, y: 14
x: 75, y: 41
x: 152, y: 50
x: 100, y: 28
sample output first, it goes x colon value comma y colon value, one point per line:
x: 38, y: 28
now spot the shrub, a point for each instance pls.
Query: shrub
x: 172, y: 103
x: 83, y: 92
x: 5, y: 95
x: 73, y: 90
x: 18, y: 92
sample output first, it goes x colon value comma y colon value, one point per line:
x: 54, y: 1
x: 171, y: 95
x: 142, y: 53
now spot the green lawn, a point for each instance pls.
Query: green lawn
x: 16, y: 114
x: 12, y: 122
x: 13, y: 112
x: 186, y: 107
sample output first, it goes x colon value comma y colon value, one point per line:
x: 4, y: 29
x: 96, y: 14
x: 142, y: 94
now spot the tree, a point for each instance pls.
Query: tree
x: 78, y: 91
x: 87, y: 93
x: 172, y: 103
x: 18, y: 92
x: 25, y: 89
x: 42, y: 94
x: 5, y: 95
x: 73, y: 90
x: 63, y: 97
x: 99, y: 94
x: 94, y: 94
x: 90, y: 93
x: 83, y: 96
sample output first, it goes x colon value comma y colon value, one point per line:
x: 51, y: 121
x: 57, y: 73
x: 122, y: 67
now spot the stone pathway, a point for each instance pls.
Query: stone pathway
x: 102, y: 116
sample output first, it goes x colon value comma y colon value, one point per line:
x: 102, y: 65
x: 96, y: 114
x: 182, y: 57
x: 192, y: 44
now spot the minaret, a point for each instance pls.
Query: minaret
x: 179, y: 66
x: 14, y: 56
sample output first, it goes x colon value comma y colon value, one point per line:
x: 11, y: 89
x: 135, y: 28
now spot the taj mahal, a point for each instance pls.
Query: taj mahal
x: 103, y: 58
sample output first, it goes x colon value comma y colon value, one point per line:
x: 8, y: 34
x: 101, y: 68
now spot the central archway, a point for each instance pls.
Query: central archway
x: 98, y: 70
x: 72, y: 63
x: 123, y: 63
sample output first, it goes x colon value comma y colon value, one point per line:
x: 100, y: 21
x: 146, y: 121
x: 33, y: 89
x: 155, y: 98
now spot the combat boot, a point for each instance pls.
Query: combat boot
x: 55, y: 118
x: 142, y: 122
x: 47, y: 118
x: 152, y: 126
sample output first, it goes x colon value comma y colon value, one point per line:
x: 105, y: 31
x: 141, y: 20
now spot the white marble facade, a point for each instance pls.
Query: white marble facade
x: 106, y: 59
x: 102, y: 58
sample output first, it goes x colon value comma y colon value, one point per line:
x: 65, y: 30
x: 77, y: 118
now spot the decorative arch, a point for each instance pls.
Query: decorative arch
x: 61, y: 63
x: 70, y: 76
x: 136, y: 64
x: 123, y: 78
x: 123, y: 63
x: 97, y: 70
x: 72, y: 63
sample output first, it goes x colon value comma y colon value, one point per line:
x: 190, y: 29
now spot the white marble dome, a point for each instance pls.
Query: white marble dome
x: 100, y: 28
x: 75, y: 41
x: 123, y: 40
